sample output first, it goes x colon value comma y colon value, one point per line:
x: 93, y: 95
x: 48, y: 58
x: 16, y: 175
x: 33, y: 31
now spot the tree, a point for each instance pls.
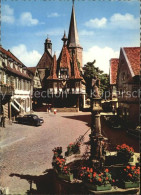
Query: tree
x: 90, y: 71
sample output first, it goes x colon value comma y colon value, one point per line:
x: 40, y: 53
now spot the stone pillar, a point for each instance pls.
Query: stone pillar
x: 96, y: 138
x: 97, y: 125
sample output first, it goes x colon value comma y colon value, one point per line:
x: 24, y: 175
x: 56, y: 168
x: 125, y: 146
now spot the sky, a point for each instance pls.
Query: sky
x: 103, y: 27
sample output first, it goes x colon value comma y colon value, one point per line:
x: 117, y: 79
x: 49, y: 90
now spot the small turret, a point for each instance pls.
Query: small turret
x: 48, y: 46
x: 64, y: 39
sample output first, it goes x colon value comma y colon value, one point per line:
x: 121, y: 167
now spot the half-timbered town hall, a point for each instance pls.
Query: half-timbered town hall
x: 62, y: 77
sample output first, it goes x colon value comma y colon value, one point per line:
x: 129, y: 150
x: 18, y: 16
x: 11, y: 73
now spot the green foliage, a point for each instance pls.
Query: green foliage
x: 90, y: 71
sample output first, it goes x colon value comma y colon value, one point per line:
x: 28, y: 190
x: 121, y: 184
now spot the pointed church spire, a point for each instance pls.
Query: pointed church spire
x: 64, y: 39
x: 73, y: 40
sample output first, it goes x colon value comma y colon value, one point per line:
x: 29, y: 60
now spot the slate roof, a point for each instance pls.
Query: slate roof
x: 14, y: 70
x: 113, y: 70
x: 133, y: 55
x: 73, y: 39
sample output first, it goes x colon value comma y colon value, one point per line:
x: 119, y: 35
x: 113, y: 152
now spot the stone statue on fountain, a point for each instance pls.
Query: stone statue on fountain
x: 95, y: 87
x: 97, y: 140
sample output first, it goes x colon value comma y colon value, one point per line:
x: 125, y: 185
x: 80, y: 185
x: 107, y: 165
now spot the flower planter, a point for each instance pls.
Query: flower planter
x: 65, y: 177
x: 69, y: 153
x: 122, y: 158
x: 130, y: 184
x: 98, y: 188
x: 77, y: 152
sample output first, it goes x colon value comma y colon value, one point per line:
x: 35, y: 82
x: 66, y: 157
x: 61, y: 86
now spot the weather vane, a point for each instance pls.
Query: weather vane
x: 73, y: 1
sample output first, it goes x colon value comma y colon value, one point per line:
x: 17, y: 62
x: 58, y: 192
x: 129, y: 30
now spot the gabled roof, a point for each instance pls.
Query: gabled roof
x: 132, y: 56
x: 53, y: 69
x: 76, y: 72
x: 14, y: 70
x: 113, y: 70
x: 32, y: 70
x: 73, y: 39
x: 45, y: 61
x: 11, y: 55
x: 64, y: 59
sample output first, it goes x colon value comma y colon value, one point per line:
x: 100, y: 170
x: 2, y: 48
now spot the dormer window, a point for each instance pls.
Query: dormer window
x: 63, y: 73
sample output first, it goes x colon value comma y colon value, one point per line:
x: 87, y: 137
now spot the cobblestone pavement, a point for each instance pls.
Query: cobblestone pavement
x: 27, y: 150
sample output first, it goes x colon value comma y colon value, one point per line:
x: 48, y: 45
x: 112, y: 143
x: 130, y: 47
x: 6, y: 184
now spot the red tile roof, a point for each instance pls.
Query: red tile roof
x: 76, y: 70
x: 64, y: 59
x: 53, y: 69
x: 113, y: 70
x: 133, y: 55
x: 32, y: 69
x: 11, y: 55
x: 14, y: 70
x: 45, y: 61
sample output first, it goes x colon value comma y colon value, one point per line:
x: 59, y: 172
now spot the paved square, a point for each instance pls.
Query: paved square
x: 27, y: 150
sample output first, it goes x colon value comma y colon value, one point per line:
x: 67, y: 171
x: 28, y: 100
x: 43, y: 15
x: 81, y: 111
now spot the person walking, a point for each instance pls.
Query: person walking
x: 3, y: 121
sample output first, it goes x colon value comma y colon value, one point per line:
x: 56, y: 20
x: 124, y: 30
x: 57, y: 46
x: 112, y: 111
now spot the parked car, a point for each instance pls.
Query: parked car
x: 134, y: 132
x: 30, y: 119
x: 114, y: 122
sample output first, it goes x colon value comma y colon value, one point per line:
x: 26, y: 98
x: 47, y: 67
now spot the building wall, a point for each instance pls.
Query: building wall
x: 16, y: 88
x: 126, y: 84
x: 42, y: 73
x: 78, y: 54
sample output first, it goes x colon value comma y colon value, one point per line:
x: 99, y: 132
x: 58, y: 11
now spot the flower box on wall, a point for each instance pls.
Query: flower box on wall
x: 130, y: 184
x: 98, y: 188
x: 124, y: 153
x: 66, y: 177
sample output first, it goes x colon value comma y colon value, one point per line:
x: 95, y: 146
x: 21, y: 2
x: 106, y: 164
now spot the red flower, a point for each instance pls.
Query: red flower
x: 89, y: 176
x: 113, y: 180
x: 106, y: 170
x: 88, y: 169
x: 91, y: 170
x: 130, y: 175
x: 107, y: 178
x: 128, y: 167
x: 100, y: 179
x: 133, y: 167
x: 94, y: 175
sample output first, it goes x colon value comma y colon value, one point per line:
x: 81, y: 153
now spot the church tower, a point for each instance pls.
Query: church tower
x: 73, y: 39
x: 48, y: 46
